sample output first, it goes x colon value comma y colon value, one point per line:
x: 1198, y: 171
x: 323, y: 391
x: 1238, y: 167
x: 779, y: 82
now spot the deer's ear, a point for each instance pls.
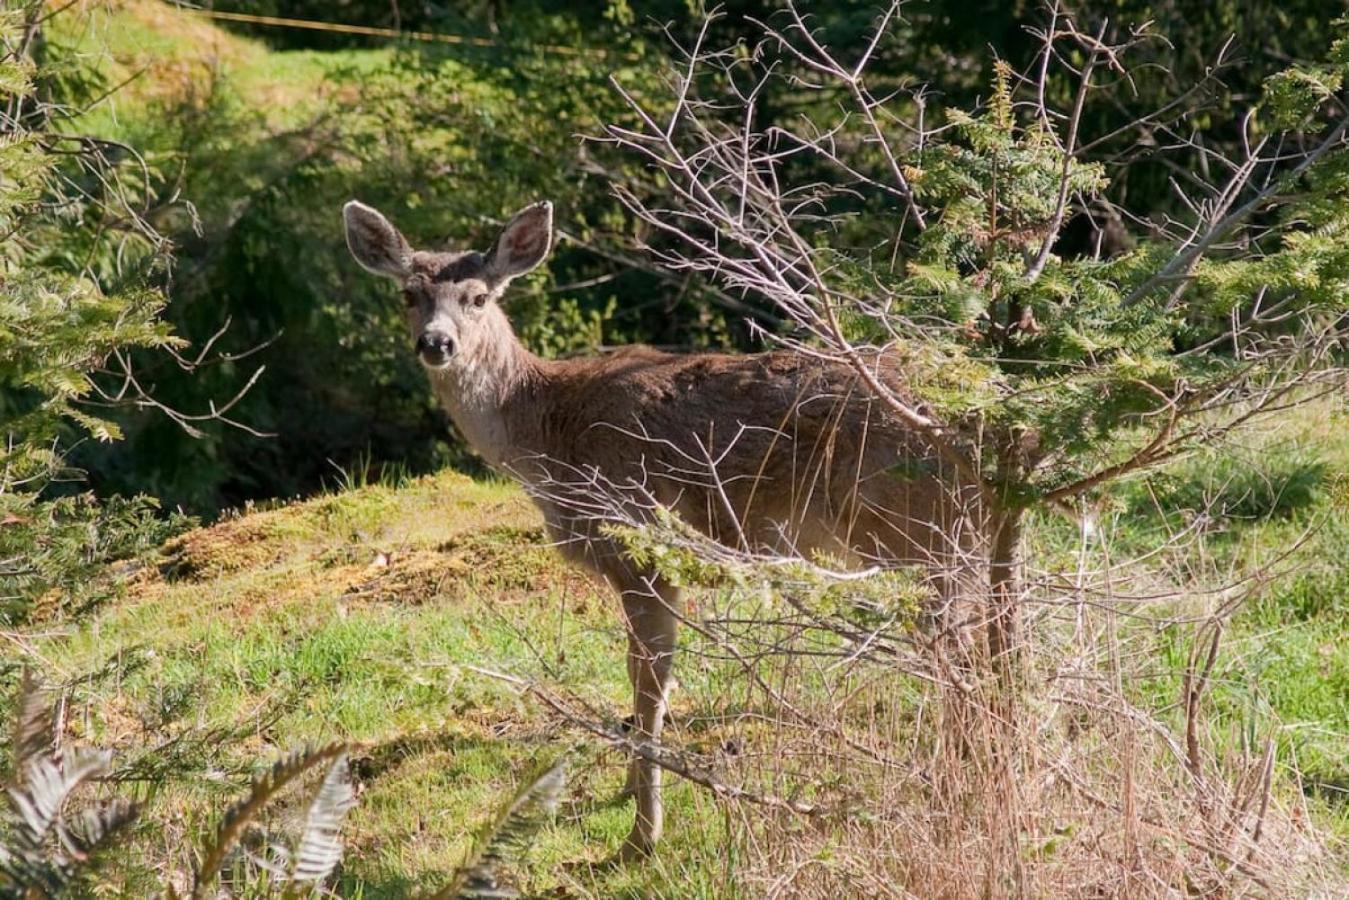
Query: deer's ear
x: 524, y: 243
x: 375, y: 243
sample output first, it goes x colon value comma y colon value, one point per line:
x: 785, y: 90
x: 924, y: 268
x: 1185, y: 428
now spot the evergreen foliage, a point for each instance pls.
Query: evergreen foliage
x: 1037, y: 375
x: 59, y: 325
x: 1084, y: 352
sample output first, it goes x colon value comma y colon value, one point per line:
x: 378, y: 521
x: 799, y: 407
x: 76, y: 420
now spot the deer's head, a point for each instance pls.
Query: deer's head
x: 451, y: 297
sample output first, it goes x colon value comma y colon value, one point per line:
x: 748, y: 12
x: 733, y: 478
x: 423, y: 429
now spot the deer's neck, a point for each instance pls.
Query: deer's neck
x: 486, y: 384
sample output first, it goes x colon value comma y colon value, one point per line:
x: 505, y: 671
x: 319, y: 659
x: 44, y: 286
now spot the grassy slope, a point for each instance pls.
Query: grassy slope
x: 363, y: 616
x: 157, y: 55
x: 372, y: 614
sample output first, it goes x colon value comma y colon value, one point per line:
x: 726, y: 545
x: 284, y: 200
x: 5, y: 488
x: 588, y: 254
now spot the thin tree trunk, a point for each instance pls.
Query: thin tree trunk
x: 1004, y: 587
x: 1006, y: 736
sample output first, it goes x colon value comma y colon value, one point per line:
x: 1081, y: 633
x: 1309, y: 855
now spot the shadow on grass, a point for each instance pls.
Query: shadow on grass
x: 1225, y: 488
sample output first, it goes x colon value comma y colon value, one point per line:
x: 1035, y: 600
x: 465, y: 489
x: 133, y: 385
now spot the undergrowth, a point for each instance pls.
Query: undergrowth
x: 409, y: 619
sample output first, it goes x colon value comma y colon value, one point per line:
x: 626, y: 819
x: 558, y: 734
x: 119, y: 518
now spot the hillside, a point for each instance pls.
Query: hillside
x: 379, y: 613
x: 367, y: 615
x: 159, y: 55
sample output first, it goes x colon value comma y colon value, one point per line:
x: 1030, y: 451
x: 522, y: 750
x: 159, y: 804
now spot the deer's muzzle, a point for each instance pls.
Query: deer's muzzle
x: 435, y: 348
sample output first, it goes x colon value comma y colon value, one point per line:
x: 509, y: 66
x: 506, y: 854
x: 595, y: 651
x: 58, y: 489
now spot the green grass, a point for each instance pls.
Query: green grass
x: 368, y: 615
x: 1285, y: 661
x: 288, y: 626
x: 1286, y: 656
x: 163, y: 57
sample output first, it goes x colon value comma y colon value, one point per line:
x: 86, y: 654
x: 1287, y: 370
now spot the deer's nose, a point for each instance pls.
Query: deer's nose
x: 435, y: 348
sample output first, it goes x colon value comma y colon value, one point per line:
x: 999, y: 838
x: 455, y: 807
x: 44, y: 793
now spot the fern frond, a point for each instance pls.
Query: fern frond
x: 42, y: 790
x: 97, y: 827
x: 506, y: 841
x: 42, y: 855
x: 320, y: 848
x: 265, y: 789
x: 30, y: 875
x: 33, y: 732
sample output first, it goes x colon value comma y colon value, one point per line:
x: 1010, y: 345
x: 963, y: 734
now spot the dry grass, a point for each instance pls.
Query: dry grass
x: 1074, y: 786
x: 1135, y: 751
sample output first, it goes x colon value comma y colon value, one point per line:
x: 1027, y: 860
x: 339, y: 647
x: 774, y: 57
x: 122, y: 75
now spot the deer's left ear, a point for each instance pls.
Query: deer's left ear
x: 524, y: 243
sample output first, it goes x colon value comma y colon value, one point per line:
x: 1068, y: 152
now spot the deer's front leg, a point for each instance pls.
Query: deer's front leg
x: 650, y: 606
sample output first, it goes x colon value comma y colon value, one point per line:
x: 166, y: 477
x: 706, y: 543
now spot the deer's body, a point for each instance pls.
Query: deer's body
x: 775, y: 451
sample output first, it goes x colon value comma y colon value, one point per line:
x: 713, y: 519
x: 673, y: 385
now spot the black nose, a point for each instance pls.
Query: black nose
x: 435, y: 348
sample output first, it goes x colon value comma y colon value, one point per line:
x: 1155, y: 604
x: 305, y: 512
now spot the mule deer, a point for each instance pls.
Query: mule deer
x: 800, y: 457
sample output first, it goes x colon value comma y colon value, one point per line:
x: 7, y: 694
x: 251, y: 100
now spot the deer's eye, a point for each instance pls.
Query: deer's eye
x: 478, y: 300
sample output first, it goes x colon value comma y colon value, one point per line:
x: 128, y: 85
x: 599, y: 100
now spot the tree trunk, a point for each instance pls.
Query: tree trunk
x: 1004, y: 587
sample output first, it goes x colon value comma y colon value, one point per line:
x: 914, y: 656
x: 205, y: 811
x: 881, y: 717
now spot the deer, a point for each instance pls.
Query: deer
x: 806, y: 459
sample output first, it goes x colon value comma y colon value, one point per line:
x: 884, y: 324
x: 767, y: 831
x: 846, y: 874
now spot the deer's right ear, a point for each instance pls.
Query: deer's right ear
x: 375, y: 243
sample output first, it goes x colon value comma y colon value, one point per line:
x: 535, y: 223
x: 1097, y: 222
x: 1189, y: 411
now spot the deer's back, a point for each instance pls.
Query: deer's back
x: 778, y: 449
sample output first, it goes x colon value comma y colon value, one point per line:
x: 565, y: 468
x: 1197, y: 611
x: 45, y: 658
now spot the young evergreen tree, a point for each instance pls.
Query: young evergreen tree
x: 58, y: 329
x: 879, y: 225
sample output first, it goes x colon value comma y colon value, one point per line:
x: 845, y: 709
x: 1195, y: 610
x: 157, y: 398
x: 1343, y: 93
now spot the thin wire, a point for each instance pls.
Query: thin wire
x: 279, y: 22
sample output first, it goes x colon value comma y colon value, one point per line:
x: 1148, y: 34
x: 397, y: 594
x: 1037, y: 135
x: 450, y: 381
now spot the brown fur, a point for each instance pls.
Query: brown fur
x: 805, y: 460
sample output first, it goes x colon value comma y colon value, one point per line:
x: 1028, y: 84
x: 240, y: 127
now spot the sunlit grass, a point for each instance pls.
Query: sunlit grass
x: 162, y: 57
x: 375, y: 615
x: 318, y: 622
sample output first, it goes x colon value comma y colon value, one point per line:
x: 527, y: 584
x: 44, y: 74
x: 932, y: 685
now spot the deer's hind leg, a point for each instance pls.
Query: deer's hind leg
x: 651, y: 612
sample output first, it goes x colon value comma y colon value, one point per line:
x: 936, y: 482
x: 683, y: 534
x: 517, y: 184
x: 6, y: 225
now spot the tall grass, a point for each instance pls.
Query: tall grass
x: 851, y: 753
